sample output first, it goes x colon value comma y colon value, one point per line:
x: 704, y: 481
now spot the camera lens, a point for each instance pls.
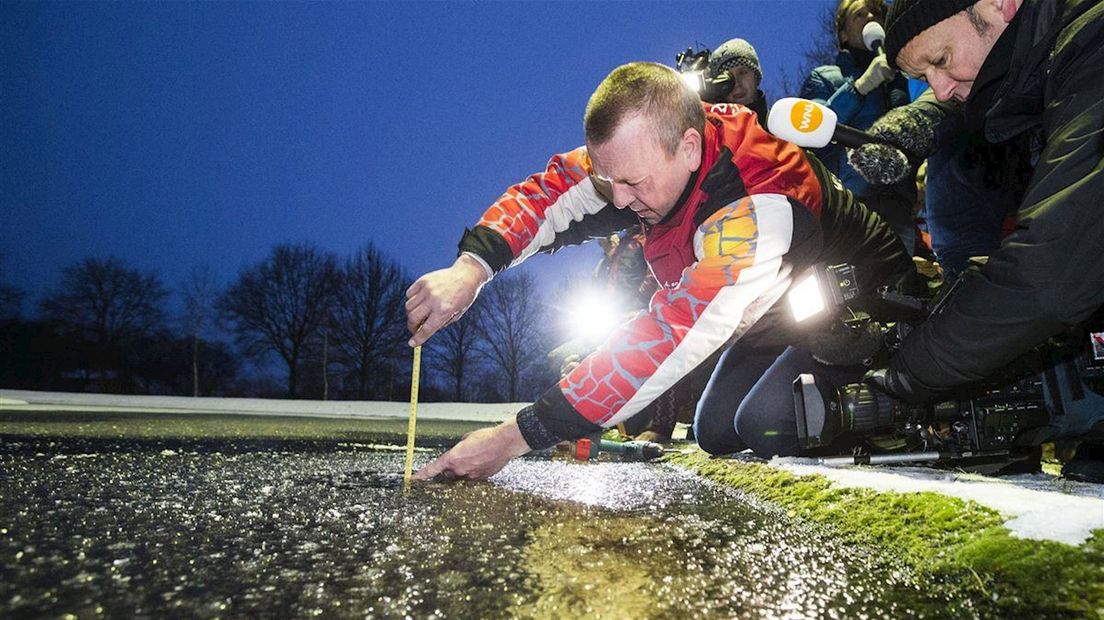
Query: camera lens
x: 866, y: 409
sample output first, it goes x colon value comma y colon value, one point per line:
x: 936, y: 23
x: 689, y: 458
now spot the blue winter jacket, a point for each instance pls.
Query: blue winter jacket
x: 834, y: 86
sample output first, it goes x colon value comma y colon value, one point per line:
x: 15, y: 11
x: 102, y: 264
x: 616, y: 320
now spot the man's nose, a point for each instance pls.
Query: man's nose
x: 622, y: 196
x: 942, y: 86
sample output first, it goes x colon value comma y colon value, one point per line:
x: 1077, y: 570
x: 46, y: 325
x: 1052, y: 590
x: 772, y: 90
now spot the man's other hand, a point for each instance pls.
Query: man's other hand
x: 480, y: 454
x: 440, y: 297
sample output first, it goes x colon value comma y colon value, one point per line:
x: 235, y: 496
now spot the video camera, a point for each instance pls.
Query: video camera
x: 1055, y: 389
x: 694, y: 68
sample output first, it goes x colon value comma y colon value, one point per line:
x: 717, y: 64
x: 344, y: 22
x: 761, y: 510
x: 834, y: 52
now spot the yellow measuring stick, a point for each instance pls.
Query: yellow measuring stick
x: 413, y: 417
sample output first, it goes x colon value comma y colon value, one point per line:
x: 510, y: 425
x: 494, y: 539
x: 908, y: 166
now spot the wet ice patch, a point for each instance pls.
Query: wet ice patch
x: 611, y: 485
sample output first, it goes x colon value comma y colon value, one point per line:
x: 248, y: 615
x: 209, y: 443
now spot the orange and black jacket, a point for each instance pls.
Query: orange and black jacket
x: 757, y: 213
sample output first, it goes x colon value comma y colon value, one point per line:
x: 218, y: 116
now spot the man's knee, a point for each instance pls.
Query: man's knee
x: 714, y: 430
x: 717, y: 444
x: 767, y: 436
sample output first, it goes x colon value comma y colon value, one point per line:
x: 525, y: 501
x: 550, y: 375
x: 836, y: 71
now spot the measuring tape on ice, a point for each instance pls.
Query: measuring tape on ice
x: 413, y: 417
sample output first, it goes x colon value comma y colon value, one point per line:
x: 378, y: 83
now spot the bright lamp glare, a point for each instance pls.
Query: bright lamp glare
x: 694, y: 79
x: 805, y: 298
x: 593, y: 316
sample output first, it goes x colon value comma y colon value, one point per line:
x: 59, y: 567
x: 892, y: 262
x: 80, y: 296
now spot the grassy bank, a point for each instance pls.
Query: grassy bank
x: 947, y: 541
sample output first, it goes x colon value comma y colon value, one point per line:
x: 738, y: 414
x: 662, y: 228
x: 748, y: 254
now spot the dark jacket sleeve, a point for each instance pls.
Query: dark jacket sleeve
x: 1049, y: 273
x: 854, y: 234
x: 898, y: 94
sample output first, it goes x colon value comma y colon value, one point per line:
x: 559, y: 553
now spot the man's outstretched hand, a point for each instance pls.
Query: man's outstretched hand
x: 480, y: 454
x: 440, y: 297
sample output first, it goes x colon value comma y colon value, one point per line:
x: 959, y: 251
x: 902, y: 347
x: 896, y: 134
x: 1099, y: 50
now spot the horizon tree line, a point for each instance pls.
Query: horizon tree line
x: 336, y: 328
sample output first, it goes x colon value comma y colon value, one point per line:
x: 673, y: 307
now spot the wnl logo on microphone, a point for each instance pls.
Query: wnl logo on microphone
x: 806, y: 116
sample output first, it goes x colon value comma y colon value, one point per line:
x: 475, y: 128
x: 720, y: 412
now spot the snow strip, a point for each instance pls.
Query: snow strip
x: 25, y: 400
x: 1036, y: 507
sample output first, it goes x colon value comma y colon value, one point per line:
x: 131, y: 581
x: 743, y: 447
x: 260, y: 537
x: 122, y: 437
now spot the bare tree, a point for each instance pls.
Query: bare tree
x: 109, y: 305
x: 514, y: 325
x: 11, y: 301
x: 280, y: 304
x: 821, y: 49
x: 453, y: 352
x: 200, y: 296
x: 369, y: 318
x: 11, y: 297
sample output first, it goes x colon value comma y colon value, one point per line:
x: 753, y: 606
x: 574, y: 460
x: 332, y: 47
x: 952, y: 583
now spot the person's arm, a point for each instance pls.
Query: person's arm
x: 843, y: 99
x: 557, y: 207
x: 561, y: 206
x: 856, y: 235
x: 481, y: 454
x: 440, y: 297
x: 1047, y: 275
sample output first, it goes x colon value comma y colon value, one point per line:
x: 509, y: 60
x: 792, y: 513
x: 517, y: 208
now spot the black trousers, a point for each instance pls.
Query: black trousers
x: 748, y: 402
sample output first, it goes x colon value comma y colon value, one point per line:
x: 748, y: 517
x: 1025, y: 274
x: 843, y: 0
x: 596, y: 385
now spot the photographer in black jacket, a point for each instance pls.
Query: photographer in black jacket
x: 1026, y: 67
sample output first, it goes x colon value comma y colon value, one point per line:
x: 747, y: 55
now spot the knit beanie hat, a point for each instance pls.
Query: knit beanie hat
x: 908, y: 18
x: 734, y: 53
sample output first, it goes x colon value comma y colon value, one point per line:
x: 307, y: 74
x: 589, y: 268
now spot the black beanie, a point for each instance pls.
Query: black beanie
x: 908, y: 18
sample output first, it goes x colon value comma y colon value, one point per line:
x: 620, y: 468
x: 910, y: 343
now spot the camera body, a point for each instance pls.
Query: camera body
x: 694, y: 67
x: 1049, y: 392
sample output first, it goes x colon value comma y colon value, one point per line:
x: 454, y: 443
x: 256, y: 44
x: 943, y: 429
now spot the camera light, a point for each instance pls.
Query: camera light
x: 694, y: 79
x: 806, y: 299
x: 594, y: 315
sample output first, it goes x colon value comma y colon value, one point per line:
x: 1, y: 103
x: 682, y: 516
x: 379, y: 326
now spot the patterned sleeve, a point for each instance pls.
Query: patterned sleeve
x: 738, y: 276
x: 542, y: 212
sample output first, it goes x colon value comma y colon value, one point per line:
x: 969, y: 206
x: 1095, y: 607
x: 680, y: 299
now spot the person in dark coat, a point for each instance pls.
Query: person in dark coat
x: 1029, y: 70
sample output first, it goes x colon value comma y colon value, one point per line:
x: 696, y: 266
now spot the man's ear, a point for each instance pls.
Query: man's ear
x: 1008, y: 9
x: 691, y: 148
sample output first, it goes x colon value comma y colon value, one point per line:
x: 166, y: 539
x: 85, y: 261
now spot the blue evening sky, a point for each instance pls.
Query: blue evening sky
x: 179, y: 134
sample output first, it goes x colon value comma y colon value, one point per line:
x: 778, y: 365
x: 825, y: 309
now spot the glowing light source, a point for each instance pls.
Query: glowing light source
x: 593, y: 315
x: 806, y: 298
x: 694, y: 79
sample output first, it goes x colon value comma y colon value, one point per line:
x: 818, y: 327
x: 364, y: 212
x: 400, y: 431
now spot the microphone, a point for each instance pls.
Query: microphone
x: 809, y: 124
x: 913, y: 129
x: 873, y: 36
x: 812, y: 125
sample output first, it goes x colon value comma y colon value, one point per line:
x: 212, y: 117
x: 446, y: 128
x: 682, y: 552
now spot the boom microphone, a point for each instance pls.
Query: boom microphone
x: 911, y: 128
x: 873, y: 36
x: 811, y: 125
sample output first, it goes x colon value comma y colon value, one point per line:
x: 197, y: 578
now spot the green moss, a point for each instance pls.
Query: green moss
x: 945, y: 540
